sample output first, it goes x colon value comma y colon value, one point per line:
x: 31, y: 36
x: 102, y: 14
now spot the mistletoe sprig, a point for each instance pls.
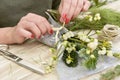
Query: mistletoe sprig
x: 80, y: 47
x: 94, y: 19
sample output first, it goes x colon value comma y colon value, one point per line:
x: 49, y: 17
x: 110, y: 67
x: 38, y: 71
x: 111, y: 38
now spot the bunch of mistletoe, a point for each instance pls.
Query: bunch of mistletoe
x: 79, y: 47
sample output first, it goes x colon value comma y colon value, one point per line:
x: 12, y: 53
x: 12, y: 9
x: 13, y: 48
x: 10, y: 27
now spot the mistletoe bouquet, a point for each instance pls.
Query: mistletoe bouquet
x: 75, y: 47
x: 86, y: 48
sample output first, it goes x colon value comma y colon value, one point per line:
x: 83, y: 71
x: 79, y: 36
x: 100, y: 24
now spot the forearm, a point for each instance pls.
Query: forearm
x: 6, y: 35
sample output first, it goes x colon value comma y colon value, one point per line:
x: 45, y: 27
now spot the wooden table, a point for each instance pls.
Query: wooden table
x: 32, y: 51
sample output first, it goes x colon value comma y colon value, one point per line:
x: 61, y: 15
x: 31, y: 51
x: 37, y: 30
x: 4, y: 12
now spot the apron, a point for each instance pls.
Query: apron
x: 11, y: 11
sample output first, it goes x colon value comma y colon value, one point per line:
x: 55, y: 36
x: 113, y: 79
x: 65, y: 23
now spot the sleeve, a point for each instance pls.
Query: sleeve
x: 55, y: 4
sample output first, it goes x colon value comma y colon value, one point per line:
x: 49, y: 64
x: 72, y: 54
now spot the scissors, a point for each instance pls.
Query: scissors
x: 16, y: 59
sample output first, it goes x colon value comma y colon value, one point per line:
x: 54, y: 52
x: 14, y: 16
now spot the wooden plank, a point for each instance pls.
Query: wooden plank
x: 28, y: 51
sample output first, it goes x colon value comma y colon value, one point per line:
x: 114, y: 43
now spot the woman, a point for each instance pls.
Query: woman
x: 23, y: 19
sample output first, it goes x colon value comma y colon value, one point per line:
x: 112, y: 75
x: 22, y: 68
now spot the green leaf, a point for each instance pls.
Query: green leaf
x: 73, y: 55
x: 90, y: 63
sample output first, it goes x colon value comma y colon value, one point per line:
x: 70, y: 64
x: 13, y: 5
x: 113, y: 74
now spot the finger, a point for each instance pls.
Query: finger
x: 48, y: 26
x: 25, y: 33
x: 38, y: 21
x: 86, y: 5
x: 42, y: 27
x: 78, y: 8
x: 29, y: 26
x: 72, y: 9
x: 61, y: 7
x: 65, y: 9
x: 22, y: 35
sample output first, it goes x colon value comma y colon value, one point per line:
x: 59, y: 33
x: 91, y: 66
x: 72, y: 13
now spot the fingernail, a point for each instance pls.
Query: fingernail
x: 64, y: 15
x: 51, y: 31
x: 67, y: 20
x: 32, y: 36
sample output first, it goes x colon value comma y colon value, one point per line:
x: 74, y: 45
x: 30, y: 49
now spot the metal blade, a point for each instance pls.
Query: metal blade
x: 31, y: 67
x: 21, y: 62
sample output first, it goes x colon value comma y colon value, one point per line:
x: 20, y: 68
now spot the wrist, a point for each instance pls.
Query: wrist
x: 10, y: 35
x: 8, y: 38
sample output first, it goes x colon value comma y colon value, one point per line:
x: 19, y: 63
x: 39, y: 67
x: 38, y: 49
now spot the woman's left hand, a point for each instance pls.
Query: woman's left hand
x: 70, y: 9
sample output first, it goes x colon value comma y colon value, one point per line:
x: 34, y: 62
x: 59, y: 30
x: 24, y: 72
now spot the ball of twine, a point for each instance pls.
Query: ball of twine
x: 109, y: 32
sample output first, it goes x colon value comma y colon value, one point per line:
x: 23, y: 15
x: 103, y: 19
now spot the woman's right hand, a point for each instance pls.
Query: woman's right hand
x: 30, y: 26
x: 69, y: 9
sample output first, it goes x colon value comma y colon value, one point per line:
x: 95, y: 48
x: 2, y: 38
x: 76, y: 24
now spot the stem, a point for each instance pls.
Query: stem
x: 93, y: 34
x: 59, y: 52
x: 89, y: 32
x: 63, y: 25
x: 75, y: 40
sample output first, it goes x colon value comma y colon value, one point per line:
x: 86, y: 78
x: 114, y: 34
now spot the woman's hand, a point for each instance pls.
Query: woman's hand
x: 70, y: 9
x: 30, y: 26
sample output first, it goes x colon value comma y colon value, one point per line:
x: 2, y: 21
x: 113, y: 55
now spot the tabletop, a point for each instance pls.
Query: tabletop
x: 35, y: 52
x: 32, y: 51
